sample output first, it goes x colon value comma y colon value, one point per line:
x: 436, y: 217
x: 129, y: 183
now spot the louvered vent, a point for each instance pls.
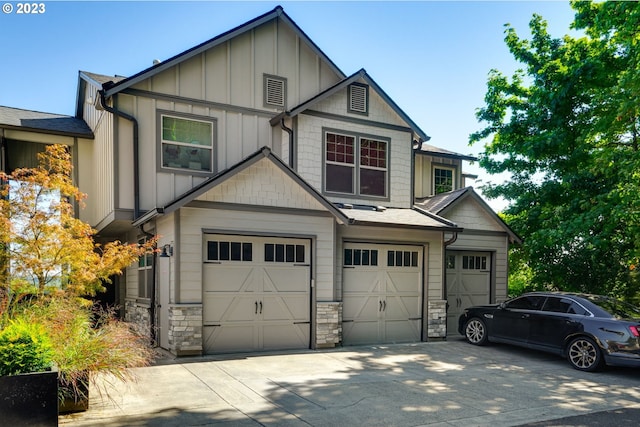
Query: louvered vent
x: 274, y: 89
x: 358, y: 98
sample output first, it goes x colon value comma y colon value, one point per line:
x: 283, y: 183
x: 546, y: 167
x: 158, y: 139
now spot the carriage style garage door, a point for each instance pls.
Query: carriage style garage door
x: 382, y: 293
x: 468, y: 283
x: 256, y: 293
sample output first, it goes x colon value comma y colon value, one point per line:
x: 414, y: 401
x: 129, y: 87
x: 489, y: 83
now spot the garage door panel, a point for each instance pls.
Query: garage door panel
x: 230, y: 338
x: 402, y: 281
x: 402, y: 331
x: 294, y: 308
x: 362, y: 307
x: 361, y: 332
x: 361, y: 281
x: 382, y: 302
x: 287, y: 336
x: 227, y: 308
x: 229, y: 278
x: 285, y: 279
x: 256, y: 298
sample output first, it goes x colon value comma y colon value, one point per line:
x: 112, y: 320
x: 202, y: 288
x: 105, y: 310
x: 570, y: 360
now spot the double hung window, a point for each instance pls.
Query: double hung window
x: 355, y: 165
x: 442, y: 180
x: 187, y: 144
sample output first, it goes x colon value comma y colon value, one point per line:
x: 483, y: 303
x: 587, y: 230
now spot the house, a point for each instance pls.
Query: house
x: 296, y: 206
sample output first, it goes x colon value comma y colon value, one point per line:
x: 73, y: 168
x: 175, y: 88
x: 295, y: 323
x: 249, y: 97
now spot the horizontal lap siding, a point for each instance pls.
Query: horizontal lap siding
x: 193, y: 221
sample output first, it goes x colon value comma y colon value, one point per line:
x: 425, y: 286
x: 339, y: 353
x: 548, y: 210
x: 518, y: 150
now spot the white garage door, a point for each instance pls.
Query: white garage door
x: 256, y: 293
x: 468, y: 284
x: 382, y: 293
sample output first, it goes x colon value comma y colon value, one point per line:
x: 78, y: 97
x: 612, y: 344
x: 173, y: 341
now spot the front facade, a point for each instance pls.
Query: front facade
x: 296, y: 206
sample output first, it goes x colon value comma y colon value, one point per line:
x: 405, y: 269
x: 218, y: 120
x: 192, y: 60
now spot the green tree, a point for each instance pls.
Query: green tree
x: 44, y: 248
x: 566, y: 129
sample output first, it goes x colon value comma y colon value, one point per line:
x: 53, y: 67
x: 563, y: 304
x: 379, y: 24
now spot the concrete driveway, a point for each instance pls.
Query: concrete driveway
x: 448, y: 383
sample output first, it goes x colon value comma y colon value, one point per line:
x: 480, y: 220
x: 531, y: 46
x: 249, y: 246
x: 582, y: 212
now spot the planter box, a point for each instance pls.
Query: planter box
x: 72, y: 401
x: 29, y: 400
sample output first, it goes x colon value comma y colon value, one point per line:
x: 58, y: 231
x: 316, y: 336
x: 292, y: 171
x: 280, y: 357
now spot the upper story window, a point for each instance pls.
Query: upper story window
x: 358, y: 99
x: 275, y: 91
x: 443, y: 180
x: 355, y: 165
x: 187, y: 143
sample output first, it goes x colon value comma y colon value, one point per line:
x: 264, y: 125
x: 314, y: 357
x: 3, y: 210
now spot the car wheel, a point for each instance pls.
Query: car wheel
x: 584, y: 354
x: 476, y: 331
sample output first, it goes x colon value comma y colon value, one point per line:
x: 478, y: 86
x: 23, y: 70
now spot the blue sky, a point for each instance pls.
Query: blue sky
x: 431, y: 57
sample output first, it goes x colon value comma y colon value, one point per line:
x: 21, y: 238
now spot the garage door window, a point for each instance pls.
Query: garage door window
x: 402, y: 258
x: 229, y: 251
x: 474, y: 262
x: 279, y: 252
x: 360, y: 257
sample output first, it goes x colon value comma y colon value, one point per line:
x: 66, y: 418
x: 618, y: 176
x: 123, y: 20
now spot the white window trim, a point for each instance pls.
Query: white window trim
x: 433, y: 177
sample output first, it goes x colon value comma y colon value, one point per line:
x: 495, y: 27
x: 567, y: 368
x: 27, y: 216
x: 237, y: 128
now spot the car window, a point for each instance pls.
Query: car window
x: 563, y: 305
x: 615, y: 307
x: 557, y: 305
x: 526, y: 302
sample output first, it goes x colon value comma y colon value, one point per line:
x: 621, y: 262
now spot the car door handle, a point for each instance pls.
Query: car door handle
x: 525, y: 316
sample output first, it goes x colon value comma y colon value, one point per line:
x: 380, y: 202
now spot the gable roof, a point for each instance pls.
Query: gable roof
x: 278, y: 12
x: 264, y: 152
x: 441, y: 203
x: 361, y: 74
x: 36, y: 121
x: 430, y: 150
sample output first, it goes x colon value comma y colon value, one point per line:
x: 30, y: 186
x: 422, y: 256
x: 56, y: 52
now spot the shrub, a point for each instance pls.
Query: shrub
x: 24, y: 347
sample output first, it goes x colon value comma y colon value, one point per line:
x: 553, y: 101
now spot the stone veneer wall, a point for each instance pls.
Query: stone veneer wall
x: 328, y: 324
x: 139, y: 314
x: 185, y: 329
x: 437, y: 319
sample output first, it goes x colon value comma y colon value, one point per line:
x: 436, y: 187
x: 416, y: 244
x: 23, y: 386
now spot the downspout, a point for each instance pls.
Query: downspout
x: 152, y: 309
x: 136, y: 203
x: 290, y: 132
x: 136, y: 181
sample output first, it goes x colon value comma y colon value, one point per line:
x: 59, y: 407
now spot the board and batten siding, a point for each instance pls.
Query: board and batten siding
x: 194, y: 220
x: 99, y: 161
x: 424, y: 173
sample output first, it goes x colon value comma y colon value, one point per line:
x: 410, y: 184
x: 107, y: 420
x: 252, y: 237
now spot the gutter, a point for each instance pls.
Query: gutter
x: 136, y: 180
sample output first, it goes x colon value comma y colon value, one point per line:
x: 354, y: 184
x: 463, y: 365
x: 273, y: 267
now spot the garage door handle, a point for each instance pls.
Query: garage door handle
x: 260, y: 307
x: 384, y: 306
x: 256, y: 307
x: 380, y: 309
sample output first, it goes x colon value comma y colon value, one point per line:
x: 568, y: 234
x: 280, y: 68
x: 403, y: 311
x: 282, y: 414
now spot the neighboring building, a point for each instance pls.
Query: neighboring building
x: 297, y: 207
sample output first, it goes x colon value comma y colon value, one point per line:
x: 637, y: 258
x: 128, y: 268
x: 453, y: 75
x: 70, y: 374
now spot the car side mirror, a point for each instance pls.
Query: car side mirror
x: 502, y: 306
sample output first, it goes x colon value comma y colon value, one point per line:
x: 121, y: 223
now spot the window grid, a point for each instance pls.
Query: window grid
x: 365, y: 257
x: 341, y: 163
x: 443, y: 180
x: 280, y: 252
x: 402, y: 258
x: 470, y: 262
x: 229, y: 251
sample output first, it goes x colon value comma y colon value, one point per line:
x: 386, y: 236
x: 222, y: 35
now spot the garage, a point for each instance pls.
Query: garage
x: 256, y: 293
x: 382, y: 293
x: 468, y: 283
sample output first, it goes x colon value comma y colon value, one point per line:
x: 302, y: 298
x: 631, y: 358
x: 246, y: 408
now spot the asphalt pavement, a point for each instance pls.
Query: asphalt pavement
x: 449, y: 383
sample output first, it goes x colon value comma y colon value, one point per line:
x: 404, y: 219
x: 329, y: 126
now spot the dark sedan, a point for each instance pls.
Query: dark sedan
x: 589, y: 330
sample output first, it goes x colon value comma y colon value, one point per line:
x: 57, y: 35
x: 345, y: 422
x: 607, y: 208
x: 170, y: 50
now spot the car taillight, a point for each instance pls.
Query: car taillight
x: 635, y: 331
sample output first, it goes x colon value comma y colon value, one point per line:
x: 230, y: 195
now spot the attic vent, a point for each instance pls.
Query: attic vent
x: 274, y: 91
x: 358, y: 102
